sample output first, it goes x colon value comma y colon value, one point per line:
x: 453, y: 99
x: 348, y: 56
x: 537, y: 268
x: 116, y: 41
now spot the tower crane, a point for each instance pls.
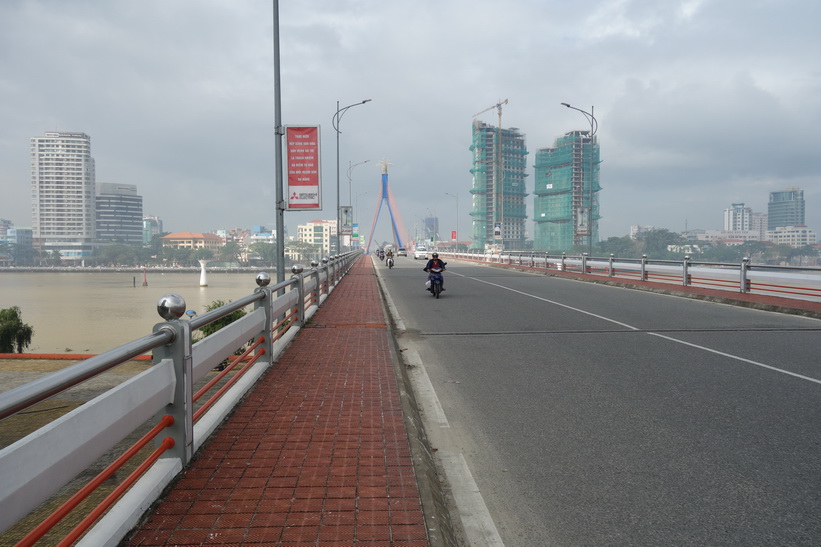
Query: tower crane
x: 497, y: 106
x: 498, y: 183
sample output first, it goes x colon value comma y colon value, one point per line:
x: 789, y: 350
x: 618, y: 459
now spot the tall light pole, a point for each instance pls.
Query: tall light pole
x: 457, y: 214
x: 337, y: 117
x: 594, y: 126
x: 350, y: 184
x: 280, y: 131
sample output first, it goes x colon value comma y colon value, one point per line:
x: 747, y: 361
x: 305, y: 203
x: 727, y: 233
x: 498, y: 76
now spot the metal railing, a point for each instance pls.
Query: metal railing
x: 35, y: 467
x: 800, y: 282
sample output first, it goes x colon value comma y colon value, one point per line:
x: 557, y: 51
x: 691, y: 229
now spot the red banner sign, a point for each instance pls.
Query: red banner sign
x: 303, y: 184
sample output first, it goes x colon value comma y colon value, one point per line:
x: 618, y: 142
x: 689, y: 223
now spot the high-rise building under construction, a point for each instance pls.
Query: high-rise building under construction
x: 566, y: 207
x: 499, y: 164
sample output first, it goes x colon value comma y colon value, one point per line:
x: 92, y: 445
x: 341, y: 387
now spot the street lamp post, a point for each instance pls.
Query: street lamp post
x: 337, y: 117
x: 594, y: 126
x: 457, y: 214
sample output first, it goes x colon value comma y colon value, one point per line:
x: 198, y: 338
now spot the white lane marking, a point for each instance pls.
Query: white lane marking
x: 736, y: 357
x: 625, y: 325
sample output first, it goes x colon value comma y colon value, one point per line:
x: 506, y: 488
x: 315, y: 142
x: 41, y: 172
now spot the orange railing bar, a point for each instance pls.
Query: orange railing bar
x: 228, y: 385
x: 286, y: 322
x: 204, y: 389
x: 80, y: 529
x: 58, y: 515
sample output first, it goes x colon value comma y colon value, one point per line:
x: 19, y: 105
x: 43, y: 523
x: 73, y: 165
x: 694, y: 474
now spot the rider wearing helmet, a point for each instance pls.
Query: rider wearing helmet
x: 436, y: 262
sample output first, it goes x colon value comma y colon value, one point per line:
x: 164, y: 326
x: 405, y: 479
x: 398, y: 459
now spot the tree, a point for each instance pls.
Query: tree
x: 266, y: 251
x: 621, y: 247
x: 54, y: 258
x: 655, y: 243
x: 14, y: 334
x: 230, y: 252
x: 117, y: 254
x: 202, y: 254
x: 211, y: 328
x: 720, y: 252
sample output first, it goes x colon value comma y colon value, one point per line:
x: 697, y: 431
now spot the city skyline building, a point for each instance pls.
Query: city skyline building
x: 566, y: 206
x: 152, y: 226
x: 119, y: 214
x: 738, y: 217
x: 499, y: 167
x: 63, y: 194
x: 319, y: 232
x: 786, y: 208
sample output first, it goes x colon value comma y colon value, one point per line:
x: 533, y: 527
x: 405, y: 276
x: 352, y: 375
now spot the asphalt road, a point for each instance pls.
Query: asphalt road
x: 594, y: 415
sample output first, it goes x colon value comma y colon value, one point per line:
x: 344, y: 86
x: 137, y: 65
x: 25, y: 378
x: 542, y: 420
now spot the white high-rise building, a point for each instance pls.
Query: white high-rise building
x: 738, y: 217
x: 63, y: 194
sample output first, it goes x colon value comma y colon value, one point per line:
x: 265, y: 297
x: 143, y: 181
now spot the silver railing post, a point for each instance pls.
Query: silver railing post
x: 325, y: 267
x: 564, y: 255
x: 584, y: 263
x: 171, y: 307
x: 644, y: 267
x: 297, y: 270
x: 685, y: 278
x: 610, y: 271
x: 263, y: 279
x: 744, y: 282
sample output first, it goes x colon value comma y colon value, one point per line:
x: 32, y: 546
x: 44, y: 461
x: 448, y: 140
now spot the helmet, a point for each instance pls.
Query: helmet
x: 435, y: 255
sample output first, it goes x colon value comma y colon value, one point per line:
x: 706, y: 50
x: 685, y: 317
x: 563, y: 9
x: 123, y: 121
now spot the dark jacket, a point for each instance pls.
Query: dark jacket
x: 435, y: 263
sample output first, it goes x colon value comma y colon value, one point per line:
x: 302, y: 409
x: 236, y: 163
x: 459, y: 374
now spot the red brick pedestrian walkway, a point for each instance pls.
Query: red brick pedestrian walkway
x: 317, y: 454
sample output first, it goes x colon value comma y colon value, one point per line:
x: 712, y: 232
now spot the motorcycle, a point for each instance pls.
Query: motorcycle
x: 435, y: 279
x: 390, y: 262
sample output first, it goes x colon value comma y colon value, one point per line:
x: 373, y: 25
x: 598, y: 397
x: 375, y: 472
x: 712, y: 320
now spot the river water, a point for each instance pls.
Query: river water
x: 94, y: 312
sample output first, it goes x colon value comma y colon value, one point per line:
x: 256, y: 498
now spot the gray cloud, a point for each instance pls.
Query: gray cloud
x: 700, y: 103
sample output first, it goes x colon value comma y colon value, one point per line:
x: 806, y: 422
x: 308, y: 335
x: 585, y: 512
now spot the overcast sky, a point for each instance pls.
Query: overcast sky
x: 700, y: 103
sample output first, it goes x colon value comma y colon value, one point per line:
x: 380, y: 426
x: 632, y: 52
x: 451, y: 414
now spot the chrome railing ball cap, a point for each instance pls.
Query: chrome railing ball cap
x: 314, y: 263
x: 263, y: 279
x: 171, y: 306
x: 297, y: 269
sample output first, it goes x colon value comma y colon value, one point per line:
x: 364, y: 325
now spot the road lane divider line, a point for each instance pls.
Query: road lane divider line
x: 737, y: 358
x: 625, y: 325
x: 704, y: 348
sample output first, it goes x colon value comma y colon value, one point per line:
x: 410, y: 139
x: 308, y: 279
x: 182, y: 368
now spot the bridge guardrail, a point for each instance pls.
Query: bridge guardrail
x: 801, y: 282
x: 50, y: 457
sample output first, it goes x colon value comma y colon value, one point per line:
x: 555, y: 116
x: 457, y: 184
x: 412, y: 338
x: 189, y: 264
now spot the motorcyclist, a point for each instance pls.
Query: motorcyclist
x: 436, y: 262
x: 389, y: 257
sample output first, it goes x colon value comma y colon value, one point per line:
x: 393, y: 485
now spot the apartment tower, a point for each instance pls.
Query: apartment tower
x: 566, y: 207
x: 63, y: 194
x: 498, y: 209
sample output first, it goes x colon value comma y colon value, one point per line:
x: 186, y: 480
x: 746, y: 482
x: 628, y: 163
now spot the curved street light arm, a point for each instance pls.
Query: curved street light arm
x: 591, y: 119
x: 341, y: 112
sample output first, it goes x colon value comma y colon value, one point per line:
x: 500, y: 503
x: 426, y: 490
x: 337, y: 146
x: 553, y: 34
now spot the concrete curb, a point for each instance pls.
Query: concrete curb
x: 443, y: 530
